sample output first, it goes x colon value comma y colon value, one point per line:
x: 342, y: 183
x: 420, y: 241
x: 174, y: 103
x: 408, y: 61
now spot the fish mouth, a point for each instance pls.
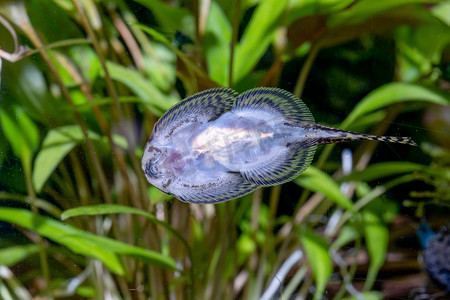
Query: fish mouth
x: 151, y: 170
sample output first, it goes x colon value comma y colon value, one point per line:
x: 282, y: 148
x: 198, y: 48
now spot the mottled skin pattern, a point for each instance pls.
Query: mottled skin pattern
x: 217, y: 145
x: 436, y: 254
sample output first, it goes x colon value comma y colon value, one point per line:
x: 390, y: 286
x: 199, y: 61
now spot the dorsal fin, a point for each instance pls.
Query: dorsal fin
x: 276, y: 101
x: 201, y: 107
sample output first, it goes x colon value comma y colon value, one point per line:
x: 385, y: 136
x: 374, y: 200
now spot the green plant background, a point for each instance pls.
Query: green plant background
x: 83, y: 82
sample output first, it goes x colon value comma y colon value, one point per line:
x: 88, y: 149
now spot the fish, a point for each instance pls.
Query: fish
x: 218, y: 145
x: 436, y: 251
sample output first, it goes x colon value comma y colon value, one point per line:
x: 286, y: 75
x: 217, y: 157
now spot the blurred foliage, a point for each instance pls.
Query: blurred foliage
x: 83, y: 82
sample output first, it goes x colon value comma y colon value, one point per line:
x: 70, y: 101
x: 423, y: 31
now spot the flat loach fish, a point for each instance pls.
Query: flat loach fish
x: 217, y: 145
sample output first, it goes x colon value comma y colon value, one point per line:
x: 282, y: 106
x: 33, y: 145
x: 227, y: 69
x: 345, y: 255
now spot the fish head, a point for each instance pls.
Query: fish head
x: 161, y: 164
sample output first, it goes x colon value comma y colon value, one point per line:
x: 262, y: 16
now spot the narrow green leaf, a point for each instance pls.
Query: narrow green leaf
x: 20, y: 132
x: 217, y: 44
x: 372, y: 295
x: 377, y: 236
x: 3, y: 148
x: 141, y: 86
x: 392, y: 93
x: 382, y: 170
x: 161, y: 67
x: 257, y: 36
x: 317, y: 181
x: 104, y: 209
x: 12, y: 255
x: 316, y: 249
x: 84, y: 243
x: 28, y: 128
x: 347, y: 234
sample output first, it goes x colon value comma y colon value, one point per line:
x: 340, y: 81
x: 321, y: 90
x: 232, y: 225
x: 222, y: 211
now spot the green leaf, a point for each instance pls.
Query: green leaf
x: 372, y: 295
x: 171, y: 18
x: 84, y: 243
x: 87, y: 61
x: 316, y: 249
x: 161, y: 67
x: 216, y: 44
x: 365, y: 9
x: 315, y: 180
x: 103, y: 209
x: 442, y: 11
x: 141, y: 86
x: 301, y: 8
x: 20, y: 131
x: 28, y: 128
x: 347, y: 234
x: 257, y: 36
x: 3, y: 149
x: 392, y: 93
x: 12, y: 255
x: 418, y: 49
x: 377, y: 237
x: 57, y: 143
x: 382, y: 170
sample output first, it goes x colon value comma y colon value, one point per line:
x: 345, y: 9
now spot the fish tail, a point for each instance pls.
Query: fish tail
x: 392, y: 139
x: 328, y: 135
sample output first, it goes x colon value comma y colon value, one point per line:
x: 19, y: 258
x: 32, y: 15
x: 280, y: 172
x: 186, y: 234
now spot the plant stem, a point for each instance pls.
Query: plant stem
x: 300, y: 85
x: 26, y: 163
x: 237, y: 11
x: 116, y: 111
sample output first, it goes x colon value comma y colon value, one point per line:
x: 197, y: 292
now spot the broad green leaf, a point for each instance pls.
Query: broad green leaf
x: 365, y: 9
x: 216, y: 44
x: 257, y: 36
x: 84, y: 243
x: 383, y: 169
x: 377, y: 237
x: 171, y: 18
x: 141, y: 86
x: 317, y: 181
x: 392, y: 93
x: 362, y: 124
x: 12, y: 255
x: 57, y: 143
x: 316, y: 249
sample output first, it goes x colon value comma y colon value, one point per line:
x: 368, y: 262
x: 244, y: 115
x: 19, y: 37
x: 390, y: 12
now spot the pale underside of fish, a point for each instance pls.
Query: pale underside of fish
x: 217, y: 145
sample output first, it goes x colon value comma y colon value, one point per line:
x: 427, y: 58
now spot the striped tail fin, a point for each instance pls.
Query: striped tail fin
x: 391, y: 139
x: 328, y: 135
